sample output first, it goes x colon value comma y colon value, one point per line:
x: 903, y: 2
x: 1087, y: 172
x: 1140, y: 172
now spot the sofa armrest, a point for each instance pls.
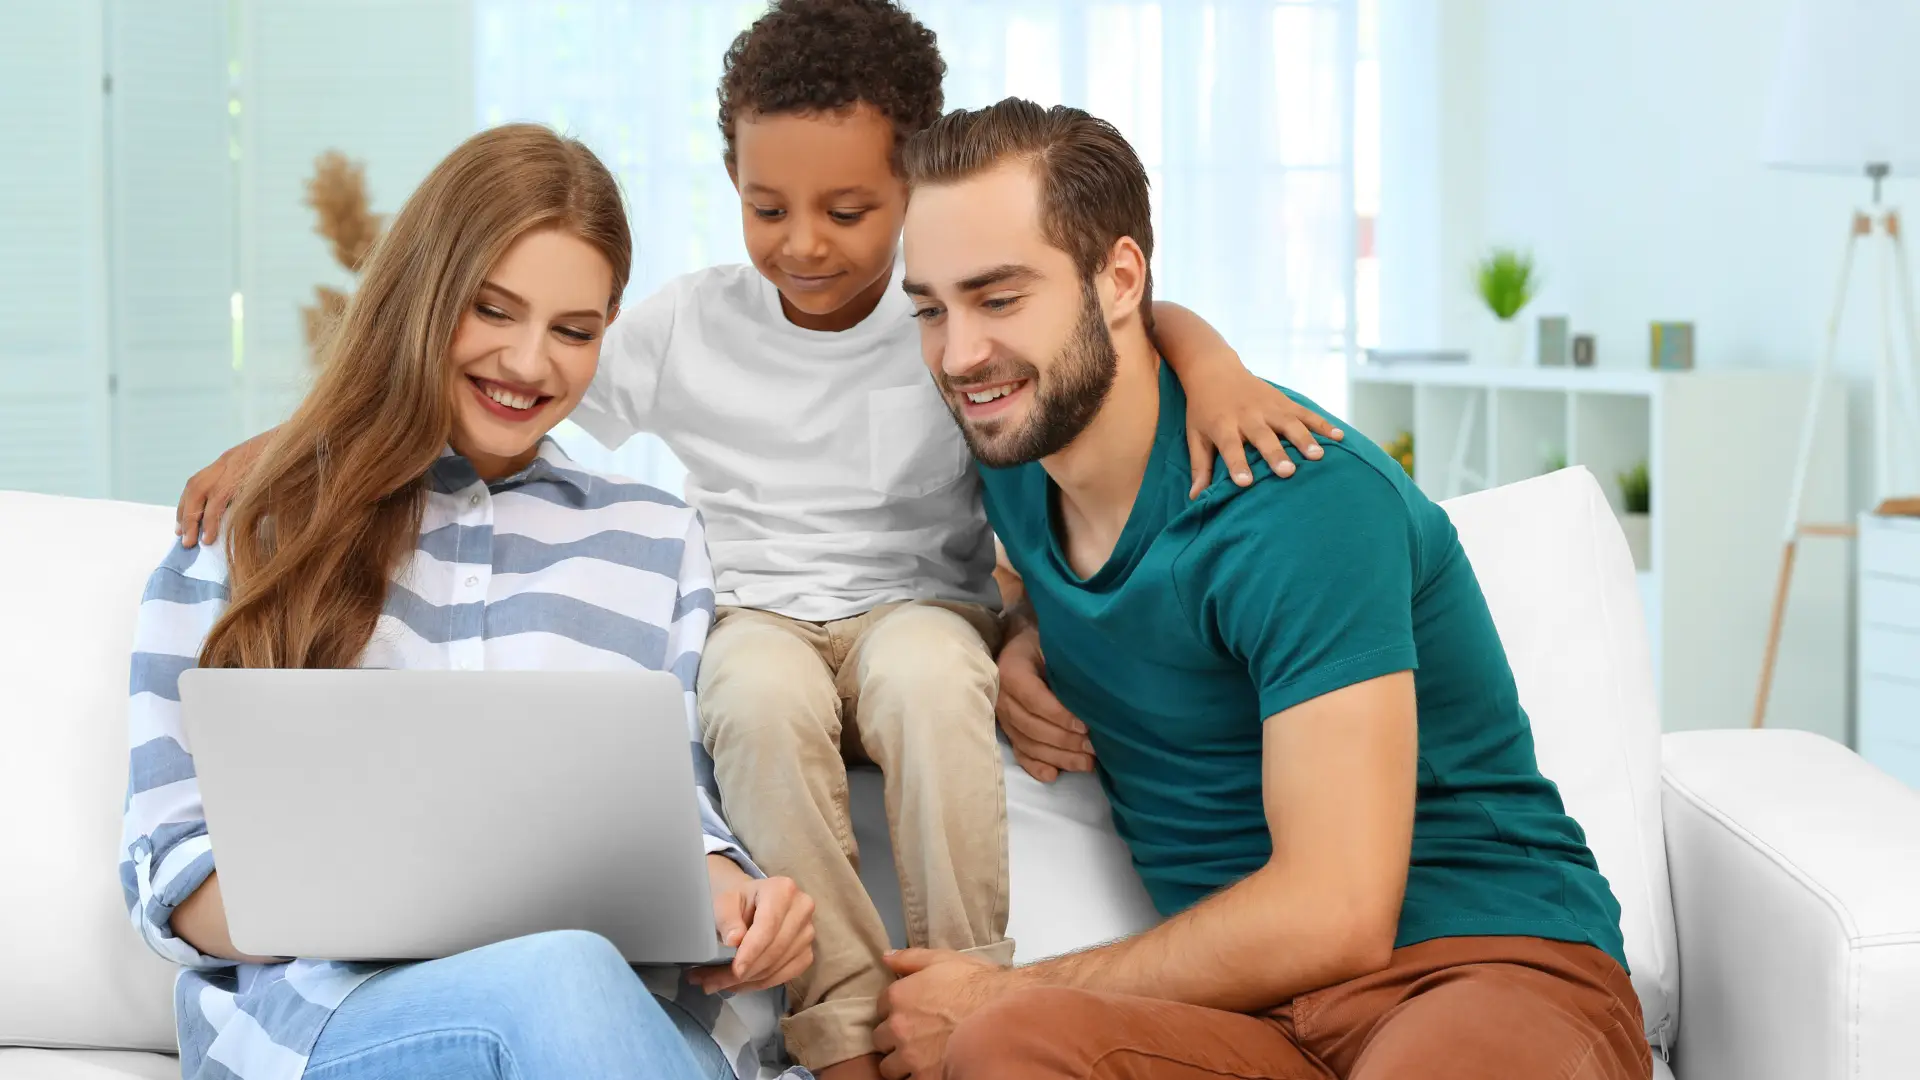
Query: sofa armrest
x: 1796, y: 888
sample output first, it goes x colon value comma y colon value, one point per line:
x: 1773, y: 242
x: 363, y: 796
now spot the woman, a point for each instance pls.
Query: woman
x: 414, y: 514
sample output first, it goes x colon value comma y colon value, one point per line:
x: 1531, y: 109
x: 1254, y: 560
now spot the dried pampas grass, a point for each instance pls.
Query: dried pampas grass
x: 338, y: 195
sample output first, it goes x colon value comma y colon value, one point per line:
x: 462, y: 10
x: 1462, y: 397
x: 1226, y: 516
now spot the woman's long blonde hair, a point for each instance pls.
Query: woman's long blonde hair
x: 333, y: 506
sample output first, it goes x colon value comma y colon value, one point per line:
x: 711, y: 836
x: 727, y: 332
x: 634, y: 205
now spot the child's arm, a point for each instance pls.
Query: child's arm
x: 634, y: 350
x: 1228, y: 407
x: 204, y: 501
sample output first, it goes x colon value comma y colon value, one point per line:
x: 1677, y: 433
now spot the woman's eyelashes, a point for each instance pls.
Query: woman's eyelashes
x: 573, y: 334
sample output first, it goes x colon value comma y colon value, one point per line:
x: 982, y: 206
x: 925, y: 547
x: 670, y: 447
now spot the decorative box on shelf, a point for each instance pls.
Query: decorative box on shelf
x: 1718, y: 447
x: 1888, y: 697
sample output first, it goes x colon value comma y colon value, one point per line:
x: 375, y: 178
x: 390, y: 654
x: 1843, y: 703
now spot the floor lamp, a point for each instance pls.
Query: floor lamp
x: 1846, y: 102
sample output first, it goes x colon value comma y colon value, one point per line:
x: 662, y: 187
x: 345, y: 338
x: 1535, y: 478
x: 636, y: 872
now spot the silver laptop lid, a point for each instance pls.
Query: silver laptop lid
x: 390, y: 815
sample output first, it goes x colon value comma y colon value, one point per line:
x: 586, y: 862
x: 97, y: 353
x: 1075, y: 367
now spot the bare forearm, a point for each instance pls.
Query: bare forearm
x: 201, y: 921
x: 1016, y: 617
x: 1191, y: 345
x: 1246, y: 949
x: 723, y: 873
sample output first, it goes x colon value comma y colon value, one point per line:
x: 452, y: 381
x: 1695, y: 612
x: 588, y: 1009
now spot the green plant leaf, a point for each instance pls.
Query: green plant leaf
x: 1506, y: 281
x: 1636, y: 490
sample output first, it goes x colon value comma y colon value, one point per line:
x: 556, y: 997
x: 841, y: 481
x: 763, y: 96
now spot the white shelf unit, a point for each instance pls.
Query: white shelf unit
x: 1719, y: 449
x: 1889, y: 645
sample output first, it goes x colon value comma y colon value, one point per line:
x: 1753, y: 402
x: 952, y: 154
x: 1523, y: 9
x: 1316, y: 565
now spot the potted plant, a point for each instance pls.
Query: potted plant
x: 1401, y: 450
x: 1636, y: 504
x: 1506, y: 282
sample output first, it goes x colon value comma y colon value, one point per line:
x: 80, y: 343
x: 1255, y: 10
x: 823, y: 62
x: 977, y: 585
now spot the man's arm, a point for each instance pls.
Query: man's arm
x: 1338, y: 774
x: 1046, y: 737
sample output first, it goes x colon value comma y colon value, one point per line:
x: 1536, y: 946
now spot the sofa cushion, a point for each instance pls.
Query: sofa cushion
x: 86, y: 1065
x: 1555, y: 569
x: 1548, y: 553
x: 73, y: 971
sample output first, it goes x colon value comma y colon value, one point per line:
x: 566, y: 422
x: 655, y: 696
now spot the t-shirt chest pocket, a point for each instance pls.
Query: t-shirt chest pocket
x: 913, y: 443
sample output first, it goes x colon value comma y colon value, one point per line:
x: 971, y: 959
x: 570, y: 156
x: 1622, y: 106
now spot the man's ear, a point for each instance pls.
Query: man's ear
x: 733, y: 174
x: 613, y: 312
x: 1126, y: 280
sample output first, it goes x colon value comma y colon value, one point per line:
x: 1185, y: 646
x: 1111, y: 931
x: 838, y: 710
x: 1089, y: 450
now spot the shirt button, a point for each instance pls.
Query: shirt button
x: 472, y: 581
x: 475, y: 501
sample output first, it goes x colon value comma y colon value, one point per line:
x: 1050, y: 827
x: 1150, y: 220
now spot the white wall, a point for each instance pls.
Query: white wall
x: 1620, y: 141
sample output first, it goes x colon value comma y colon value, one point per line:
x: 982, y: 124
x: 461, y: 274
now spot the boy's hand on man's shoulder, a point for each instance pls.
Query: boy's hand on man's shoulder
x: 1223, y: 418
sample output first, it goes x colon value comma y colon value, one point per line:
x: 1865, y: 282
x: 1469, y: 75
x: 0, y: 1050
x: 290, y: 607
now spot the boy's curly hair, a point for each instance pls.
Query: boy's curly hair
x: 815, y: 56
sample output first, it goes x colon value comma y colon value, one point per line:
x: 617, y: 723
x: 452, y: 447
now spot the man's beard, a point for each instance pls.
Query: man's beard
x: 1064, y: 402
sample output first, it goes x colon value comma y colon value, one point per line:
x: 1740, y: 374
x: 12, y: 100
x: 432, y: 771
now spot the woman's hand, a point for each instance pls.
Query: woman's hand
x: 201, y: 921
x: 768, y: 921
x: 1046, y: 738
x: 1228, y: 411
x: 204, y: 502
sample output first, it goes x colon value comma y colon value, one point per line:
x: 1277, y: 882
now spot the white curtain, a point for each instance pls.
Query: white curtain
x: 1240, y: 109
x: 161, y: 252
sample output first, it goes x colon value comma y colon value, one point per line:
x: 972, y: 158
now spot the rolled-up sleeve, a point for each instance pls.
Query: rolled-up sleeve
x: 165, y: 853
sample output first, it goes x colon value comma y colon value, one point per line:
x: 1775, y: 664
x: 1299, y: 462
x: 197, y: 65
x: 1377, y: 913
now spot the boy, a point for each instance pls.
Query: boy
x: 855, y: 602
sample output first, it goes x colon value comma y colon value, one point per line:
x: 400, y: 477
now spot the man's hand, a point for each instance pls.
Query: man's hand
x: 1046, y: 737
x: 1226, y: 412
x: 768, y: 921
x: 936, y: 990
x: 204, y: 502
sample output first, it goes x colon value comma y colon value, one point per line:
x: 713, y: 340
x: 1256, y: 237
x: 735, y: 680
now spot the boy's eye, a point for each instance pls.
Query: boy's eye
x: 928, y: 314
x: 769, y: 213
x: 846, y: 217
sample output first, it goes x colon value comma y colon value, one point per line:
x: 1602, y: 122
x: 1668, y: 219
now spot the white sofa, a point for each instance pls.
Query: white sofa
x: 1770, y: 881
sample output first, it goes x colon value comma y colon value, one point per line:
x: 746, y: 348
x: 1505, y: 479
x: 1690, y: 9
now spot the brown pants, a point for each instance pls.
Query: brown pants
x: 909, y: 687
x: 1512, y: 1008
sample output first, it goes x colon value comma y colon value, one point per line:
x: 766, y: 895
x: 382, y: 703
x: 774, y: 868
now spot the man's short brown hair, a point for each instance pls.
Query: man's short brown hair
x: 1093, y: 189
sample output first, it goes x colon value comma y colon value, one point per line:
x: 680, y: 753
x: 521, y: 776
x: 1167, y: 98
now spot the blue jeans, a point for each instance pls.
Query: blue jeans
x: 541, y: 1007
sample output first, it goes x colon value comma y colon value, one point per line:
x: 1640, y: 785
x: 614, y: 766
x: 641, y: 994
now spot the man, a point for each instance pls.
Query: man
x: 1314, y: 749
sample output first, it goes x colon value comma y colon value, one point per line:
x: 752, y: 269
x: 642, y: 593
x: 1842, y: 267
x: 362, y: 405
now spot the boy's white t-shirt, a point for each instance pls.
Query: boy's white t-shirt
x: 828, y: 470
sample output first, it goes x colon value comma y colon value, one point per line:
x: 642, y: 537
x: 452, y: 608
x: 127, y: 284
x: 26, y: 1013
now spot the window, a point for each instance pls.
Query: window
x: 1241, y: 111
x: 154, y: 316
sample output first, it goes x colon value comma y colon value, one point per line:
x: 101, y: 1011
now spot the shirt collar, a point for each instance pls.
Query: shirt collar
x: 452, y: 472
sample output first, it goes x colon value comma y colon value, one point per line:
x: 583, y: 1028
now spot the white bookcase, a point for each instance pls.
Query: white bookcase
x: 1889, y: 644
x: 1719, y: 449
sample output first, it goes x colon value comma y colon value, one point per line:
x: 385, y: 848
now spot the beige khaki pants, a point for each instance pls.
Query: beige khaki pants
x: 909, y: 687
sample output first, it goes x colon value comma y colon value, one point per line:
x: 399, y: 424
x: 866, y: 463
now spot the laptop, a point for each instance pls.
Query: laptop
x: 410, y: 815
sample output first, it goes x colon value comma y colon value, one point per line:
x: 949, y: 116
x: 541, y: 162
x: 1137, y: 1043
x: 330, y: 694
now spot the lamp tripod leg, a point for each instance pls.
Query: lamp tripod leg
x: 1808, y: 428
x: 1904, y: 373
